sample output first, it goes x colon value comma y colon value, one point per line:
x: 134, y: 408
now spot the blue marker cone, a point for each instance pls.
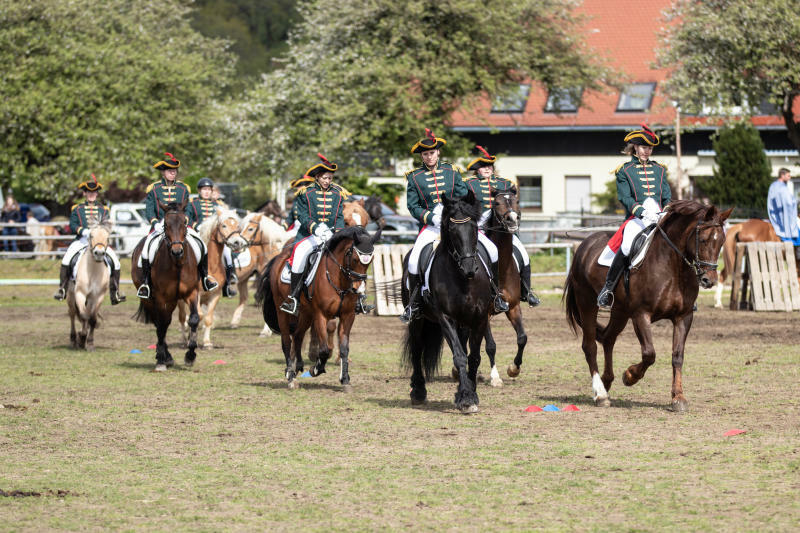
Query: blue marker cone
x: 305, y: 374
x: 550, y: 407
x: 135, y: 351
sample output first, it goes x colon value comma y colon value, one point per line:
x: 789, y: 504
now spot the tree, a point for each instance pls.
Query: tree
x: 105, y: 89
x: 735, y: 53
x: 369, y: 76
x: 742, y: 174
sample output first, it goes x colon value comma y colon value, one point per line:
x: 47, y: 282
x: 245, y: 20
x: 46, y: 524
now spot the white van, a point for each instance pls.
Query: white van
x: 130, y: 226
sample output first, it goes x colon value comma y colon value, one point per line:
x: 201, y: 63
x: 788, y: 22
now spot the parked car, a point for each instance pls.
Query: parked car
x: 394, y: 222
x: 130, y: 225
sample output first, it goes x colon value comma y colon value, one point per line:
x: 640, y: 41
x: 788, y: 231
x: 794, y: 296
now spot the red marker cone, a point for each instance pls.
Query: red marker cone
x: 218, y: 362
x: 733, y: 432
x: 571, y: 407
x: 533, y: 409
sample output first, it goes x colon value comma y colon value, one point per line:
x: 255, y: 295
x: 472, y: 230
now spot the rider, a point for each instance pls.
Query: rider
x: 197, y: 211
x: 79, y: 219
x: 481, y: 183
x: 320, y: 211
x: 168, y: 190
x: 427, y: 185
x: 782, y: 210
x: 643, y: 189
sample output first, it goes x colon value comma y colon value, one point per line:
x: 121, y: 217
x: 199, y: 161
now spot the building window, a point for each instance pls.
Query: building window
x: 577, y: 194
x: 530, y: 192
x: 636, y: 97
x: 514, y: 102
x: 563, y: 100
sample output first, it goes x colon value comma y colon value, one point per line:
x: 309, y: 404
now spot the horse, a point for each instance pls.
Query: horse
x: 682, y: 257
x: 500, y: 228
x: 216, y: 231
x: 265, y: 238
x: 173, y: 278
x: 456, y: 309
x: 753, y: 230
x: 373, y: 206
x: 355, y: 214
x: 85, y: 293
x: 273, y: 210
x: 332, y: 294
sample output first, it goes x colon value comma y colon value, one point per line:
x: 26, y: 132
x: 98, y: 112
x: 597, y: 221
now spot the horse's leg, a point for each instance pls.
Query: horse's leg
x: 345, y: 323
x: 609, y: 338
x: 208, y: 320
x: 162, y: 357
x: 476, y: 336
x: 92, y: 307
x: 237, y: 314
x: 589, y: 345
x: 73, y: 334
x: 320, y: 332
x: 718, y: 293
x: 515, y: 317
x: 463, y: 337
x: 419, y: 393
x: 194, y: 320
x: 182, y: 322
x: 680, y: 330
x: 265, y: 331
x: 641, y: 325
x: 466, y: 398
x: 491, y: 351
x: 294, y: 354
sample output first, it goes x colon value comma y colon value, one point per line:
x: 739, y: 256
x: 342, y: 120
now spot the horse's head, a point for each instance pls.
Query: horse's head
x: 460, y: 231
x: 373, y: 207
x: 505, y: 209
x: 98, y: 240
x: 175, y: 228
x: 228, y: 230
x: 355, y: 260
x: 249, y: 228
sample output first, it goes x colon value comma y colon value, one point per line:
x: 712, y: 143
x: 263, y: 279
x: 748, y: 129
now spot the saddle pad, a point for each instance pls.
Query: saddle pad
x: 483, y: 255
x: 607, y: 256
x: 242, y: 259
x: 77, y: 258
x: 286, y: 272
x: 196, y: 244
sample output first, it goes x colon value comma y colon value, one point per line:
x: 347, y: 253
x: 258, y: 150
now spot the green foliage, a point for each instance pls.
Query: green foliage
x: 103, y: 89
x: 742, y: 174
x: 726, y: 53
x: 357, y: 184
x: 607, y: 201
x: 370, y: 76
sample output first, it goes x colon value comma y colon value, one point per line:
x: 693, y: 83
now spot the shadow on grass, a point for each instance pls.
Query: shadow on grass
x: 151, y: 365
x: 430, y: 405
x: 305, y: 383
x: 589, y: 402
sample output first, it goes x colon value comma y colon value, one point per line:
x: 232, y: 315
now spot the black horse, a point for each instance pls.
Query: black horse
x: 456, y: 308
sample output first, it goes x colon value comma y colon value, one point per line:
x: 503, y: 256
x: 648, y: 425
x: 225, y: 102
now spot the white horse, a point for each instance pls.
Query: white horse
x: 86, y: 292
x: 266, y: 239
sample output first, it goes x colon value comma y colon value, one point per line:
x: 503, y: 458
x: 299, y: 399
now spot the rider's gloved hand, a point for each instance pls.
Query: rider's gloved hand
x: 323, y: 232
x: 85, y: 233
x: 649, y: 217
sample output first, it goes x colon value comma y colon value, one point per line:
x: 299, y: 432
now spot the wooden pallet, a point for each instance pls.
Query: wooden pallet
x: 387, y: 266
x: 765, y: 277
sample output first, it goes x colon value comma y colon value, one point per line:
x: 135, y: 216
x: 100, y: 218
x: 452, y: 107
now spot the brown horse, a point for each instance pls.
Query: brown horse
x: 265, y: 238
x: 332, y: 294
x: 355, y: 214
x: 273, y: 210
x: 682, y: 256
x: 173, y: 275
x: 753, y: 230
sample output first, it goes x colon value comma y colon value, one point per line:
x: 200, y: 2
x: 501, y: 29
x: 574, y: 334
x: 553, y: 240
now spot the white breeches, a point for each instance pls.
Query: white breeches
x: 193, y: 239
x: 79, y: 244
x: 301, y: 252
x: 633, y: 228
x: 430, y: 234
x: 226, y: 256
x: 526, y: 259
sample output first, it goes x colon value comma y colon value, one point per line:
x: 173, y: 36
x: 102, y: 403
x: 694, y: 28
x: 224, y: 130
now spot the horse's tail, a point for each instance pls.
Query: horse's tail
x: 264, y: 298
x: 426, y: 340
x: 728, y: 249
x: 143, y: 314
x: 568, y: 298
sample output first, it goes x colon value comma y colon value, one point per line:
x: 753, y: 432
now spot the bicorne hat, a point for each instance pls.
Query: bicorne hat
x: 320, y: 167
x: 484, y: 161
x: 429, y: 142
x: 90, y: 185
x: 168, y: 162
x: 643, y: 137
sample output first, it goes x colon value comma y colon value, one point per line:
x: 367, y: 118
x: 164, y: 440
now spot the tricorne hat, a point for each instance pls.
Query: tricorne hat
x: 321, y: 167
x: 484, y: 161
x: 90, y: 186
x: 429, y: 142
x: 299, y: 182
x: 168, y: 162
x: 642, y: 137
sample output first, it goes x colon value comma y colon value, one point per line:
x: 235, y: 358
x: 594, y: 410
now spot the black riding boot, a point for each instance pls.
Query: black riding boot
x: 63, y: 278
x: 410, y: 312
x: 525, y: 291
x: 291, y: 304
x: 500, y: 305
x: 362, y: 306
x: 229, y: 290
x: 606, y: 297
x: 113, y: 288
x: 209, y: 283
x: 144, y: 288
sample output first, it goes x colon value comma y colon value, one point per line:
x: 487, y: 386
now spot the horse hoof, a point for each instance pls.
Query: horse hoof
x: 417, y: 401
x: 160, y: 368
x: 208, y: 346
x: 347, y: 388
x: 512, y: 370
x: 294, y: 384
x: 496, y: 382
x: 454, y: 374
x: 90, y: 348
x: 628, y: 379
x: 679, y: 406
x: 469, y: 409
x: 602, y: 402
x: 187, y: 363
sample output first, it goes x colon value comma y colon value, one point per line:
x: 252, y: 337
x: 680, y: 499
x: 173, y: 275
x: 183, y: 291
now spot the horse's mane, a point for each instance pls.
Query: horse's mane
x: 274, y: 232
x: 463, y: 207
x: 356, y: 233
x: 206, y: 228
x: 691, y: 208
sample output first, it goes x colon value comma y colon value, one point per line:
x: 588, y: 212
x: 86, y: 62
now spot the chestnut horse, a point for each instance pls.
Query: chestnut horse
x: 332, y: 294
x: 753, y: 230
x: 682, y: 256
x: 173, y: 276
x: 85, y: 294
x: 355, y: 214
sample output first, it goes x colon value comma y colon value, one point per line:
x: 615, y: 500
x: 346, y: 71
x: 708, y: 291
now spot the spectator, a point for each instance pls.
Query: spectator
x: 10, y: 214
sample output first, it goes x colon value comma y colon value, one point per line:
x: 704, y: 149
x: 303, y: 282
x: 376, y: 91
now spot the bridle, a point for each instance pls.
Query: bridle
x: 351, y: 275
x: 170, y: 242
x: 699, y: 266
x: 252, y: 240
x: 501, y: 226
x: 455, y: 254
x: 225, y: 238
x: 92, y: 245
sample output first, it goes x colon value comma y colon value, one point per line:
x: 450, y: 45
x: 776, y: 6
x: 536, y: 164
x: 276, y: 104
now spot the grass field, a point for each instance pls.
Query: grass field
x: 98, y: 441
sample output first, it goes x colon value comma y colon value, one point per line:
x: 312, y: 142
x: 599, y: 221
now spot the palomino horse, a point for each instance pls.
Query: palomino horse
x: 265, y: 238
x: 682, y: 256
x: 173, y: 276
x: 500, y: 229
x: 457, y: 309
x: 85, y: 293
x: 753, y: 230
x: 216, y: 231
x: 333, y: 294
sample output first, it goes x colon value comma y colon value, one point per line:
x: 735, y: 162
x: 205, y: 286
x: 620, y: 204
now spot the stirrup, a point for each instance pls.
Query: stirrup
x: 362, y: 307
x: 408, y: 314
x: 144, y: 291
x: 234, y: 279
x: 290, y: 305
x: 209, y: 283
x: 500, y: 305
x: 60, y: 294
x: 228, y: 291
x: 116, y: 298
x: 533, y: 300
x: 606, y: 295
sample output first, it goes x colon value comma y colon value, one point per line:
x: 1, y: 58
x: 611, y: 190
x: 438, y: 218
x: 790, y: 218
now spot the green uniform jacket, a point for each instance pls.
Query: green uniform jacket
x: 636, y: 182
x: 315, y: 206
x: 82, y: 213
x: 481, y: 188
x: 426, y: 188
x: 198, y: 210
x: 178, y: 192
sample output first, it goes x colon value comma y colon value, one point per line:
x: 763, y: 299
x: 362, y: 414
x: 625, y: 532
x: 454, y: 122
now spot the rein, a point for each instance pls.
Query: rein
x: 697, y: 265
x: 501, y: 226
x: 351, y: 275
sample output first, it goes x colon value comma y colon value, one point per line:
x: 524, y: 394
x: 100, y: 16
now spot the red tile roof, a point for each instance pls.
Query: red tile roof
x: 626, y: 33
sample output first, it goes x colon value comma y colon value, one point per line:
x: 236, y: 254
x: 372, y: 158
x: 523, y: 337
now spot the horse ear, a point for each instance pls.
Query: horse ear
x: 493, y: 192
x: 377, y: 235
x: 725, y: 214
x: 513, y: 190
x: 219, y: 212
x: 362, y: 203
x: 446, y: 201
x: 470, y: 197
x: 161, y: 205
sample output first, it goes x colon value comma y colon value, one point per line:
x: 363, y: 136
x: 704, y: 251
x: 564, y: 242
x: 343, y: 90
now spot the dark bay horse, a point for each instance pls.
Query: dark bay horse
x: 333, y: 294
x: 457, y: 309
x: 173, y: 275
x: 682, y: 256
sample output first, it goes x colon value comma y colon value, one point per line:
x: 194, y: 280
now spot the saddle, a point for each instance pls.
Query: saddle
x: 639, y: 247
x: 314, y: 259
x: 426, y: 261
